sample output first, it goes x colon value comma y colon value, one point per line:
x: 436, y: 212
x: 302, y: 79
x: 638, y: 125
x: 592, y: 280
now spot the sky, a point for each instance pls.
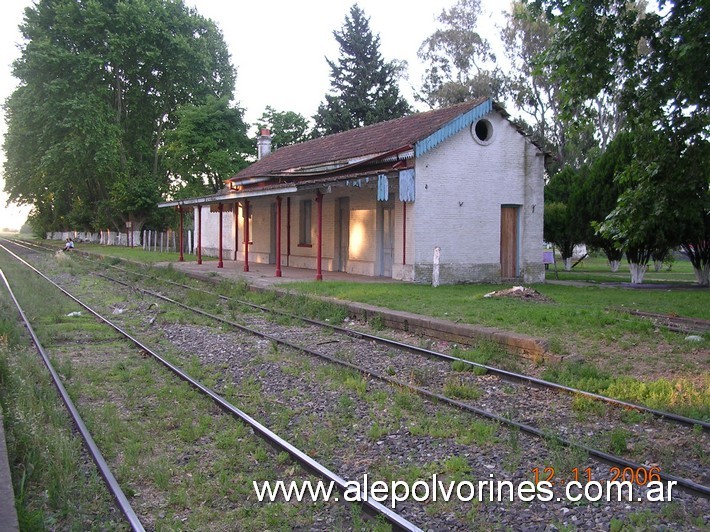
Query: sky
x: 278, y: 48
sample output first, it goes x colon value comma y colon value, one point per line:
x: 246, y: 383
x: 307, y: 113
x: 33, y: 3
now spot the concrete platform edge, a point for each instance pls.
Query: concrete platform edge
x: 518, y: 344
x: 8, y: 513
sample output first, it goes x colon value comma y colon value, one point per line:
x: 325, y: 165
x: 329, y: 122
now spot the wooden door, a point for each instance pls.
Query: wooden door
x: 509, y: 241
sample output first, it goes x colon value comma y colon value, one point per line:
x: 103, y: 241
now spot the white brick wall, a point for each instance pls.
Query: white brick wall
x: 460, y: 187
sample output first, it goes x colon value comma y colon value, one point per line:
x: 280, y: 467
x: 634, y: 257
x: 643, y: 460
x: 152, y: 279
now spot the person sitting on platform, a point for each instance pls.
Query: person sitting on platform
x: 68, y: 245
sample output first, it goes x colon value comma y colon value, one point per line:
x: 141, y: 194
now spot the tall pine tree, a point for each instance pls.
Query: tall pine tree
x: 363, y: 85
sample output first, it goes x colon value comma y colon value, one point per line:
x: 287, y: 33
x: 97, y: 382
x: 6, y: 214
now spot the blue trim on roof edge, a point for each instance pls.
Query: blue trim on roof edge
x: 453, y: 127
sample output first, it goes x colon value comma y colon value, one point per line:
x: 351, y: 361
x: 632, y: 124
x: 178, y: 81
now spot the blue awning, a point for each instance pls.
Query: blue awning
x: 453, y: 127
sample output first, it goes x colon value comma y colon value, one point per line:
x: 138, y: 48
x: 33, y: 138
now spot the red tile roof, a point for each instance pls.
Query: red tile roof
x: 369, y: 140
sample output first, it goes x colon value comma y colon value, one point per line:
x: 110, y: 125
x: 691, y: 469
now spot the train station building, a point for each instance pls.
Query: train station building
x: 454, y: 194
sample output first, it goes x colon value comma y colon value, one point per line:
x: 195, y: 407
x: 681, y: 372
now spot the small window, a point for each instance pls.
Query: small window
x: 482, y: 131
x: 304, y: 226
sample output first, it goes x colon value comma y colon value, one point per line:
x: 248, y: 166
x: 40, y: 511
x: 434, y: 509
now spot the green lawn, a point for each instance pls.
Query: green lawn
x: 571, y: 306
x: 609, y: 351
x: 596, y: 269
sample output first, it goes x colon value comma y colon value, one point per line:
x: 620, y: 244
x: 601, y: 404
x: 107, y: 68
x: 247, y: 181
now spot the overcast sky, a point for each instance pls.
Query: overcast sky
x: 279, y: 49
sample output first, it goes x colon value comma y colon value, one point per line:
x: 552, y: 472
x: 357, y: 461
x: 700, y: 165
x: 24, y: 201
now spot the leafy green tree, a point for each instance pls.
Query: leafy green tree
x: 559, y: 231
x: 560, y: 226
x: 531, y: 85
x: 460, y: 61
x: 208, y: 145
x: 598, y: 194
x: 100, y: 85
x: 363, y: 85
x: 287, y: 127
x: 655, y: 65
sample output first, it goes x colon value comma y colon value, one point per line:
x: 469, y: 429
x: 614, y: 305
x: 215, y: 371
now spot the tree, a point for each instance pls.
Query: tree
x: 656, y: 66
x: 363, y: 85
x: 560, y: 227
x: 598, y: 194
x: 208, y: 145
x: 460, y: 61
x: 530, y: 84
x: 287, y: 127
x: 100, y: 84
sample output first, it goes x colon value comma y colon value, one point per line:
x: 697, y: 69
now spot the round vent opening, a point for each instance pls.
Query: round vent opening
x: 482, y: 131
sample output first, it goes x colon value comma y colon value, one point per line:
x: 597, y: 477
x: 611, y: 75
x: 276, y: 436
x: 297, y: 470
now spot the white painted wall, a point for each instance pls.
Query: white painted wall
x: 460, y: 187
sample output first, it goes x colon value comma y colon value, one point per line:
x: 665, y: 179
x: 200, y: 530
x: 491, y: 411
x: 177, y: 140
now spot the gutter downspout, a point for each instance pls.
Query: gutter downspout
x: 404, y: 233
x: 288, y: 231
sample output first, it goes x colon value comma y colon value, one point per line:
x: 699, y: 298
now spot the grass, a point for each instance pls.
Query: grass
x: 159, y: 437
x: 623, y: 355
x: 458, y: 389
x: 486, y: 353
x: 572, y: 307
x: 595, y: 269
x: 584, y: 321
x: 679, y: 395
x: 55, y: 487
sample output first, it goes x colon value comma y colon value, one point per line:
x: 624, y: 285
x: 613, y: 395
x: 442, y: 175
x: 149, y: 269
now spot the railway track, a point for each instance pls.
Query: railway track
x: 111, y: 483
x: 672, y: 322
x: 429, y: 389
x: 371, y: 506
x: 484, y: 368
x: 379, y: 371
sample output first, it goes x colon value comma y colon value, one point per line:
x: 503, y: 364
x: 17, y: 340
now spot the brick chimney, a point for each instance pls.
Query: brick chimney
x: 263, y: 144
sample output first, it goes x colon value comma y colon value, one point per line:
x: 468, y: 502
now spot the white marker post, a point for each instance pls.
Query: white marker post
x: 435, y: 270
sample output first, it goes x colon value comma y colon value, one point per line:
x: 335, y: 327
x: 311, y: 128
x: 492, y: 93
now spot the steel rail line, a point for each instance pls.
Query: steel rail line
x: 111, y: 482
x: 505, y: 374
x: 674, y: 323
x: 373, y: 507
x: 686, y: 484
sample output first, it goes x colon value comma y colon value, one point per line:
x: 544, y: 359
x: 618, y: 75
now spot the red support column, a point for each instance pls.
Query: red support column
x: 246, y: 235
x: 404, y: 233
x: 278, y: 236
x: 182, y: 215
x: 220, y: 264
x: 199, y: 234
x: 319, y: 201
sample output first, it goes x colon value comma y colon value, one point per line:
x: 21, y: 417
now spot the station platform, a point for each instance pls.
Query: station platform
x: 264, y: 275
x: 8, y: 514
